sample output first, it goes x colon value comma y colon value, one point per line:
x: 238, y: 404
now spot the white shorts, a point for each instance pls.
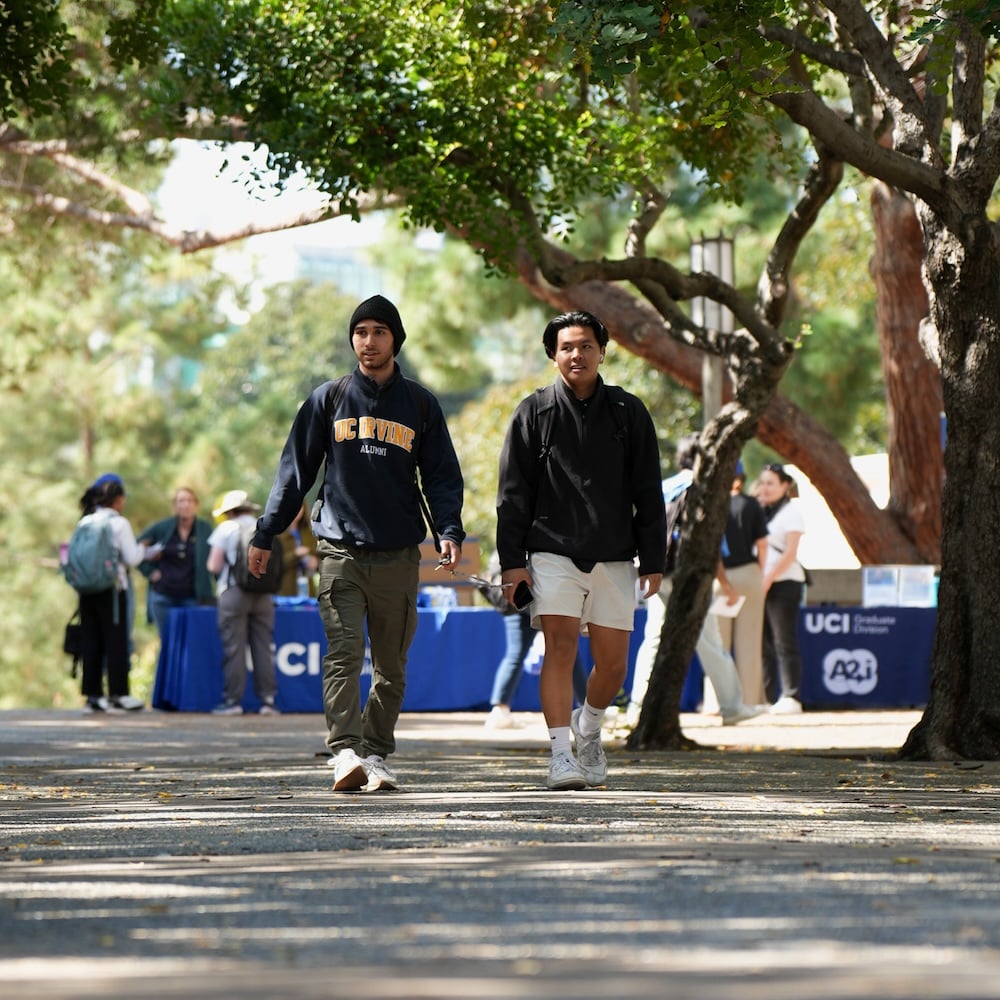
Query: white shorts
x: 605, y: 596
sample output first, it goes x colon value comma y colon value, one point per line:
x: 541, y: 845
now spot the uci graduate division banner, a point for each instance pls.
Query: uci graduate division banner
x: 866, y: 657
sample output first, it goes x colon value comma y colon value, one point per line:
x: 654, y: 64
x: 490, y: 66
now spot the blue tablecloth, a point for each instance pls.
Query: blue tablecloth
x: 451, y: 664
x: 866, y: 657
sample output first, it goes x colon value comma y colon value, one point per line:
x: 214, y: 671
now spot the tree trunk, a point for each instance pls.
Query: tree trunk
x: 962, y: 717
x: 703, y: 524
x: 912, y: 381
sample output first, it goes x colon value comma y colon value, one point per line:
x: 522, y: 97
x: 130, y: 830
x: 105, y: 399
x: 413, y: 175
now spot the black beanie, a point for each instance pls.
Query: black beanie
x: 380, y: 308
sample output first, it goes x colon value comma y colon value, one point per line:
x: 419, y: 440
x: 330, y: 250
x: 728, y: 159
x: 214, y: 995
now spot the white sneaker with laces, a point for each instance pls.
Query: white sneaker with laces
x: 787, y: 706
x: 380, y: 777
x: 349, y: 772
x: 565, y: 774
x: 589, y: 752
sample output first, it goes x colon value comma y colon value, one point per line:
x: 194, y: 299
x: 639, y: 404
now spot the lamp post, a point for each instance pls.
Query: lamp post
x: 713, y: 255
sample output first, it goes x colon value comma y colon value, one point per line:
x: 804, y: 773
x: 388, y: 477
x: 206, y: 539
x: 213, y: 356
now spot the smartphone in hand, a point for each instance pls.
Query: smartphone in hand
x: 522, y: 596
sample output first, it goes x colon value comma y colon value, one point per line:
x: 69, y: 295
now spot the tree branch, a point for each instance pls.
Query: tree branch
x: 653, y: 205
x: 896, y: 169
x: 878, y: 55
x: 847, y: 63
x: 680, y: 287
x: 821, y: 182
x: 968, y: 95
x: 192, y: 240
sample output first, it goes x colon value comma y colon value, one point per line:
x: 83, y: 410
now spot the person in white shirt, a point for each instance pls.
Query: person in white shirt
x: 783, y: 581
x: 105, y: 616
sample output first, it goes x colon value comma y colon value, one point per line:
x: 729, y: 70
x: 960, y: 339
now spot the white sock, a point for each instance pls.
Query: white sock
x: 590, y: 719
x: 559, y: 735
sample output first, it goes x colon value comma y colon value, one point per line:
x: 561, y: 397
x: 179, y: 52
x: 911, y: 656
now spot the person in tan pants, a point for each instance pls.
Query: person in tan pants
x: 746, y: 538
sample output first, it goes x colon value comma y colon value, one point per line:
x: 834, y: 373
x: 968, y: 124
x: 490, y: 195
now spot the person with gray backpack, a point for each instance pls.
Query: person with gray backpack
x: 101, y: 550
x: 245, y: 611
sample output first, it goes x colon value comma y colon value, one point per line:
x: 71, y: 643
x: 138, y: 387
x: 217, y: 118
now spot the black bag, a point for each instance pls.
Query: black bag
x: 675, y: 511
x: 73, y: 641
x: 270, y: 582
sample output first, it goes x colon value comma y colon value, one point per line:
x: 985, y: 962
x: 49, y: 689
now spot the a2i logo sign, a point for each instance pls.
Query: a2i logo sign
x: 850, y: 671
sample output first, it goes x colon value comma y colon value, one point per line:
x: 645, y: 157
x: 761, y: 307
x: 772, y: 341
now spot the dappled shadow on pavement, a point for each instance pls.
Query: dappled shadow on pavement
x: 160, y: 856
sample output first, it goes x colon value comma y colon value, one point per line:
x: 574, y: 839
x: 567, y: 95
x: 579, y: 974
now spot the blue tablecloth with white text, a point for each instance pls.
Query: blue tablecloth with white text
x: 450, y: 668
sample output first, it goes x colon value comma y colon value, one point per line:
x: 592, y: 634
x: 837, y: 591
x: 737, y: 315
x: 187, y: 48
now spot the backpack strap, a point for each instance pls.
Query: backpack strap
x: 334, y: 396
x: 423, y: 405
x: 545, y: 404
x: 545, y: 407
x: 620, y: 415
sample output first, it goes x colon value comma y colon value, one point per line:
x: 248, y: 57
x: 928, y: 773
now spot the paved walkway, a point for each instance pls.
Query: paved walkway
x: 157, y: 855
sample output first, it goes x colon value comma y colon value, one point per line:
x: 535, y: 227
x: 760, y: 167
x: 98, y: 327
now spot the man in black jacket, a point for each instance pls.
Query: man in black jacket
x: 578, y: 500
x: 375, y: 431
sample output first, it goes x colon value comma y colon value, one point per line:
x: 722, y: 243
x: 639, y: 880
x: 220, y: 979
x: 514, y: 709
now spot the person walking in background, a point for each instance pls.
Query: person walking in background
x: 245, y: 618
x: 715, y: 659
x: 104, y: 616
x: 178, y: 576
x: 578, y: 499
x: 375, y: 431
x: 783, y: 581
x: 746, y: 539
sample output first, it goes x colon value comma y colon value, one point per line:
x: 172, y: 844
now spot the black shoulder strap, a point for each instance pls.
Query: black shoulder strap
x: 545, y: 405
x: 619, y: 413
x: 545, y: 409
x: 335, y: 394
x: 424, y: 405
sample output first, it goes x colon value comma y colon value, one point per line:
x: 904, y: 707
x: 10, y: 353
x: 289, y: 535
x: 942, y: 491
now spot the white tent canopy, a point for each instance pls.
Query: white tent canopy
x: 823, y: 545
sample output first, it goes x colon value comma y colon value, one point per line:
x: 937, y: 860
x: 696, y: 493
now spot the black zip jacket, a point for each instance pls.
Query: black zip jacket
x: 373, y: 446
x: 591, y: 492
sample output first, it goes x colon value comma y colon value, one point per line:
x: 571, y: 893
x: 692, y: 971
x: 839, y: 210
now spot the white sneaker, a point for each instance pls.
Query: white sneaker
x: 96, y: 706
x: 589, y: 752
x: 349, y: 772
x: 268, y: 707
x: 565, y: 774
x: 743, y: 712
x: 228, y: 707
x: 500, y: 718
x: 127, y: 703
x: 787, y: 706
x: 380, y: 777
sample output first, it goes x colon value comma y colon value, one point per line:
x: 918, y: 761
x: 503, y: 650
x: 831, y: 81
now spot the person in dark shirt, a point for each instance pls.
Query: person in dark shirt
x: 746, y: 539
x: 373, y: 433
x: 178, y: 576
x: 578, y: 500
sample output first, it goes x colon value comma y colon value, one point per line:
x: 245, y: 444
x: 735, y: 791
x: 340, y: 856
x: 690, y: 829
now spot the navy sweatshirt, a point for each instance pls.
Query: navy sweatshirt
x: 372, y: 447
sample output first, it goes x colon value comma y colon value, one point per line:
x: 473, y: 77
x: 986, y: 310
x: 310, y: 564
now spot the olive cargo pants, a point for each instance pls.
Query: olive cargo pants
x: 359, y: 587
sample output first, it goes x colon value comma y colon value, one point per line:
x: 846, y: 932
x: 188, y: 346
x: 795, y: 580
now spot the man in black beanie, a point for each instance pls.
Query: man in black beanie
x: 378, y: 307
x: 373, y: 430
